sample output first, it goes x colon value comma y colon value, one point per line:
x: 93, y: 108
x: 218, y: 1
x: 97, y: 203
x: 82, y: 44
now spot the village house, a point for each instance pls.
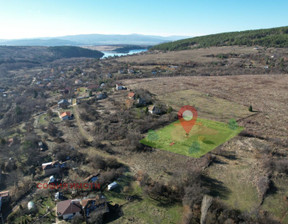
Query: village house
x: 131, y: 71
x: 140, y: 102
x: 131, y: 95
x: 78, y: 82
x: 63, y: 103
x: 99, y: 204
x: 58, y: 196
x: 154, y: 110
x: 10, y: 142
x: 92, y: 178
x: 42, y: 146
x: 66, y: 116
x: 92, y: 87
x: 101, y: 96
x: 52, y: 167
x: 121, y: 71
x: 68, y: 209
x: 120, y: 87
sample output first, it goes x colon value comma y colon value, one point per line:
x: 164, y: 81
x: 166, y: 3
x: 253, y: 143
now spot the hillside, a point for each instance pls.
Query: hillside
x: 13, y: 54
x: 72, y: 52
x: 275, y: 37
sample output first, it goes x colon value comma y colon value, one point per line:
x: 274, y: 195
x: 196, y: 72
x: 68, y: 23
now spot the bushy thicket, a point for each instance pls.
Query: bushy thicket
x: 276, y: 37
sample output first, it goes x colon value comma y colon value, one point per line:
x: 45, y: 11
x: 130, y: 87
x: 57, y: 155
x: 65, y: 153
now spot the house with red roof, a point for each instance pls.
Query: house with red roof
x: 68, y: 209
x: 131, y: 95
x: 66, y: 116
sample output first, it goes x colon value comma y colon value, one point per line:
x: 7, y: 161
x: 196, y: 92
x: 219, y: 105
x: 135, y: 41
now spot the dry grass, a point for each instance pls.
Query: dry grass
x: 266, y: 93
x: 177, y: 57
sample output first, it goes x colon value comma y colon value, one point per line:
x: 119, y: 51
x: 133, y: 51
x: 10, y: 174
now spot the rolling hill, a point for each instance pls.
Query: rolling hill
x: 274, y: 37
x: 14, y: 54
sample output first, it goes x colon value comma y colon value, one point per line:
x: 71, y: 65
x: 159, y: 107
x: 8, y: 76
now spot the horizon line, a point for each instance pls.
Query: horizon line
x: 66, y: 35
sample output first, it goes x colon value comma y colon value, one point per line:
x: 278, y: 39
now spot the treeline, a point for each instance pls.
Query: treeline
x: 128, y: 48
x: 275, y: 37
x: 71, y: 52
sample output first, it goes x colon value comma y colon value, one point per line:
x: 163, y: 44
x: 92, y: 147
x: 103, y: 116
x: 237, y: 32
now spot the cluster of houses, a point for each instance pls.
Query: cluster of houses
x: 69, y: 208
x: 140, y: 102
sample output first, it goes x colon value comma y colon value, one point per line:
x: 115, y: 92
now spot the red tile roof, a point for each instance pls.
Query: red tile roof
x: 68, y: 207
x: 67, y: 113
x: 131, y: 94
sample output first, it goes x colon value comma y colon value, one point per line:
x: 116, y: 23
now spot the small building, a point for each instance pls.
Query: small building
x: 120, y: 87
x: 42, y: 146
x: 66, y: 116
x: 93, y: 87
x: 5, y: 196
x: 92, y: 178
x: 131, y: 71
x: 101, y: 96
x: 31, y: 206
x: 121, y: 71
x: 154, y: 110
x: 51, y: 180
x: 68, y: 209
x: 99, y: 204
x: 10, y: 142
x: 78, y: 82
x: 52, y: 167
x: 63, y: 103
x: 140, y: 102
x: 102, y: 85
x: 58, y: 196
x: 131, y: 95
x: 112, y: 186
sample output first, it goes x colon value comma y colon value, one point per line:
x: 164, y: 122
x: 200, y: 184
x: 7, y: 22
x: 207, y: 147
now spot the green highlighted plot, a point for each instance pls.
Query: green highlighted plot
x: 205, y: 136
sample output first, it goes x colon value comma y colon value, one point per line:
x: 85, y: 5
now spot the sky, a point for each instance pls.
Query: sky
x: 50, y: 18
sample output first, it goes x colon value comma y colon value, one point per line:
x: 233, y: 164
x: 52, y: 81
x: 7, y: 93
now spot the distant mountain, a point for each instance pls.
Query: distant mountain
x: 274, y: 37
x: 92, y: 39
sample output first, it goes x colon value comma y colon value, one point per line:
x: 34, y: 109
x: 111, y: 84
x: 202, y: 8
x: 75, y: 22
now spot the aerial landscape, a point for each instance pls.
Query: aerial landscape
x: 116, y: 112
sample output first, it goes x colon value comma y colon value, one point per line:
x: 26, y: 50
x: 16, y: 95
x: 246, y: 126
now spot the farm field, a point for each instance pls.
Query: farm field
x: 205, y: 136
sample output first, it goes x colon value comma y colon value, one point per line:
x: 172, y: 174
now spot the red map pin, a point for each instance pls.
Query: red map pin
x: 187, y: 116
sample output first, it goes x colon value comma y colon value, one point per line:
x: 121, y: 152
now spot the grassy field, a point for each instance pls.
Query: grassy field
x: 238, y: 192
x: 277, y: 204
x: 205, y: 136
x: 143, y: 209
x: 207, y: 106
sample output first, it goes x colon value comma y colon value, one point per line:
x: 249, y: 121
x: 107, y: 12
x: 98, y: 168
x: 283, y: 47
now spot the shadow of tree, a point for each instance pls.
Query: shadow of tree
x: 216, y: 188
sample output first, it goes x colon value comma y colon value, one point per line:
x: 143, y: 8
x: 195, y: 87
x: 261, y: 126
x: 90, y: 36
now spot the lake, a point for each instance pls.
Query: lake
x: 112, y: 53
